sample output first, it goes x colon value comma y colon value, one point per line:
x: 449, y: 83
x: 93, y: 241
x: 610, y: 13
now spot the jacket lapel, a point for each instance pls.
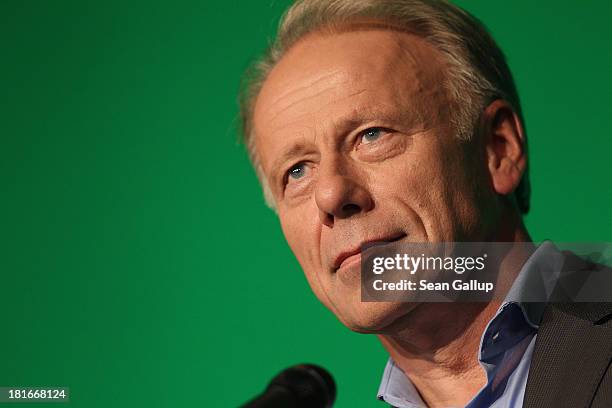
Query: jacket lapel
x: 574, y: 344
x: 572, y: 352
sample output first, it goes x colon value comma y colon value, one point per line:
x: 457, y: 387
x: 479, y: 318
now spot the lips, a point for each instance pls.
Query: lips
x: 352, y: 255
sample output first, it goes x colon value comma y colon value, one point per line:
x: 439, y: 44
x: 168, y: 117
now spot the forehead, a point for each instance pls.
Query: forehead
x: 326, y: 76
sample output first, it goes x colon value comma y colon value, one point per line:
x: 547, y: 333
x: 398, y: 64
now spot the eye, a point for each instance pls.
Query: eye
x: 371, y: 135
x: 296, y: 172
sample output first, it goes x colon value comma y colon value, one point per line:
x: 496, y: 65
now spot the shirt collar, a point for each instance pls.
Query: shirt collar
x: 397, y: 390
x: 520, y: 313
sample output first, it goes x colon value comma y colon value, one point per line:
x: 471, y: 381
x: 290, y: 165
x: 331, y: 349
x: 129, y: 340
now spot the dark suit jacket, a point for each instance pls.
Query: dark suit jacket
x: 570, y: 365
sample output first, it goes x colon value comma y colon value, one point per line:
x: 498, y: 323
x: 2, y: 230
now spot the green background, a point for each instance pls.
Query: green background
x: 139, y: 265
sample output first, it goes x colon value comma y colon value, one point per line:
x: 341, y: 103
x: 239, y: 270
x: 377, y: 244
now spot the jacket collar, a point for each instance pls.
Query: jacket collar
x: 573, y: 348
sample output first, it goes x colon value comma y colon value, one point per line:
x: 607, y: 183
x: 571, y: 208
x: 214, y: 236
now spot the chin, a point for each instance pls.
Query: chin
x: 372, y: 317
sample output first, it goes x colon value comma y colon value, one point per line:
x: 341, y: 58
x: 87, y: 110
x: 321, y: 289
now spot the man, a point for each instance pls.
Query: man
x: 375, y: 121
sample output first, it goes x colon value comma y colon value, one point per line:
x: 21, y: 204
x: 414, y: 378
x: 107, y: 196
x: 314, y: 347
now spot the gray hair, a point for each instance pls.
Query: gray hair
x: 477, y: 72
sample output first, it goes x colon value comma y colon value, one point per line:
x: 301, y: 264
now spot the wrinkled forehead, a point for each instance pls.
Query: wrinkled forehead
x: 326, y: 76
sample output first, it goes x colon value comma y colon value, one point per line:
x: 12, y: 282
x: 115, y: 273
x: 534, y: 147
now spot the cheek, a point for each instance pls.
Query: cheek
x: 424, y: 189
x: 303, y: 236
x: 302, y: 232
x: 450, y: 208
x: 416, y: 183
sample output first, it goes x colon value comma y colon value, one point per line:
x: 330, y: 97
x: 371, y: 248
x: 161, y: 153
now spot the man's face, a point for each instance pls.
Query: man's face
x: 355, y: 141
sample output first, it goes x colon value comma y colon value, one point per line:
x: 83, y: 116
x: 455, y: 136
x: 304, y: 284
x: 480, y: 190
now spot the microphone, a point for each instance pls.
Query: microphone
x: 300, y: 386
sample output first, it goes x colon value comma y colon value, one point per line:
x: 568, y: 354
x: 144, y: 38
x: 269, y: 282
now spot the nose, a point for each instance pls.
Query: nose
x: 339, y: 195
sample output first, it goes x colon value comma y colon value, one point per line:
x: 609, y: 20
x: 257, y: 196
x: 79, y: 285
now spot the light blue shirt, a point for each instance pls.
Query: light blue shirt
x: 506, y: 346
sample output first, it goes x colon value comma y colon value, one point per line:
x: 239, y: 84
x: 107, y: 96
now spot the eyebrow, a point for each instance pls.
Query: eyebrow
x: 344, y: 125
x: 286, y: 154
x: 408, y: 118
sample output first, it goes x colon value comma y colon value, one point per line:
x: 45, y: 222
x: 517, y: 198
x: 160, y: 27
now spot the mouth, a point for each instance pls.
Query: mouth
x: 347, y: 258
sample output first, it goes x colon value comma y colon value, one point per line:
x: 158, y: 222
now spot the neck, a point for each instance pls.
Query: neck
x: 436, y: 344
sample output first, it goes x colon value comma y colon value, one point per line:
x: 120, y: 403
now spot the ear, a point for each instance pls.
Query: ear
x: 504, y: 142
